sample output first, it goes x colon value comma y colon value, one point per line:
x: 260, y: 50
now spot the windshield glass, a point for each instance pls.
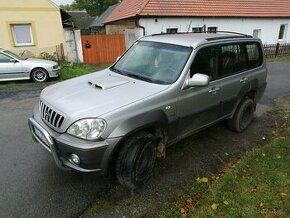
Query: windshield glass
x: 14, y: 55
x: 153, y: 62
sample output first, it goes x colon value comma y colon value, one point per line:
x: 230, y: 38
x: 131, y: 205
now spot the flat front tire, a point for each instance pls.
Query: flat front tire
x: 39, y: 75
x: 243, y: 116
x: 136, y: 160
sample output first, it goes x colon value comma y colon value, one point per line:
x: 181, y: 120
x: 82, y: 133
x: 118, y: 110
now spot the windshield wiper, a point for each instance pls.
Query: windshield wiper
x: 137, y: 76
x: 117, y: 71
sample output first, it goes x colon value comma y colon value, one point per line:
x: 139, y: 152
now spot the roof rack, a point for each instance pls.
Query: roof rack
x: 213, y: 38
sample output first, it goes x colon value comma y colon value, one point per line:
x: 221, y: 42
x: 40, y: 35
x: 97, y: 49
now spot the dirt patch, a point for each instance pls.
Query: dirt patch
x: 203, y: 154
x: 283, y: 102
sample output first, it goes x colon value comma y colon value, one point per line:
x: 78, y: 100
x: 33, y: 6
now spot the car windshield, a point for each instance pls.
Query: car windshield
x: 154, y: 62
x: 12, y: 54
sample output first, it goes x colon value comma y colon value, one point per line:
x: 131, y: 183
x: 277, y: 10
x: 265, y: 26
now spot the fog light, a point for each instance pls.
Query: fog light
x: 74, y: 158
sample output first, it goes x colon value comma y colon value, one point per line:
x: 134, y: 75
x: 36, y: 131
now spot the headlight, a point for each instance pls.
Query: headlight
x: 89, y: 129
x: 55, y: 67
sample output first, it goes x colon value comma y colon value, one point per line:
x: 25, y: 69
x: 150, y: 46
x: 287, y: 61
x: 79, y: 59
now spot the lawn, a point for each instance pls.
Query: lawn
x: 257, y: 185
x: 68, y: 72
x: 279, y: 59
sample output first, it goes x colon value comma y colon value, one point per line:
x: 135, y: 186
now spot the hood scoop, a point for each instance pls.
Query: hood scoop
x: 107, y: 82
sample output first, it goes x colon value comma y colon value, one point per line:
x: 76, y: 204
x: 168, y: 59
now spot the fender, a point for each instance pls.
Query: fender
x: 155, y: 118
x: 250, y: 87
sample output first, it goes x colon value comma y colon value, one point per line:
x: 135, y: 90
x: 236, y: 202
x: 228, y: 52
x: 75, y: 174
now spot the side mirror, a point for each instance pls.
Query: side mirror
x: 198, y: 80
x: 13, y: 60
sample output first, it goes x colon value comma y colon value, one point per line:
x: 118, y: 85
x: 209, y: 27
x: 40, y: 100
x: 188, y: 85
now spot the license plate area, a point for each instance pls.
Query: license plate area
x: 41, y: 136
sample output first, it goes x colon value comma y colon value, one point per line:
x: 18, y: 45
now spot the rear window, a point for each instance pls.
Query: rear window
x: 254, y: 53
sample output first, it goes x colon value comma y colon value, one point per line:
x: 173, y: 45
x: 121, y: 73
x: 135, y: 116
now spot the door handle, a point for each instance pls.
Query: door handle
x: 244, y: 80
x: 214, y: 90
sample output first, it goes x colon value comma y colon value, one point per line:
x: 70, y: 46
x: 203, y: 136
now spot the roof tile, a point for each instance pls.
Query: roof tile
x: 201, y: 8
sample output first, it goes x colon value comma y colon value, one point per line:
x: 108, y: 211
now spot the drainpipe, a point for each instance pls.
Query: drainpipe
x: 138, y: 25
x: 75, y: 41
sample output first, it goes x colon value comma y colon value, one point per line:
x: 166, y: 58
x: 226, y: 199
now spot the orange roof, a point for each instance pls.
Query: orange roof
x: 200, y: 8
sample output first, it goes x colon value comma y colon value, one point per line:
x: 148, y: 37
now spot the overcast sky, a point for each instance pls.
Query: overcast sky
x: 62, y: 2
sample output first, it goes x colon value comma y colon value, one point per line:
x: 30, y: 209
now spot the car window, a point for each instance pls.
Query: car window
x: 233, y: 59
x: 205, y: 62
x: 4, y: 58
x: 153, y: 61
x: 254, y: 53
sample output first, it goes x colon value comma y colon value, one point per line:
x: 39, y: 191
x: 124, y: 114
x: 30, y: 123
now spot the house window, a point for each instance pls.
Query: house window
x: 257, y: 33
x: 171, y: 30
x: 197, y: 30
x: 282, y: 31
x: 212, y: 29
x: 22, y: 34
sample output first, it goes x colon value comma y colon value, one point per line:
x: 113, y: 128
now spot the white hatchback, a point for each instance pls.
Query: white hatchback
x: 15, y: 67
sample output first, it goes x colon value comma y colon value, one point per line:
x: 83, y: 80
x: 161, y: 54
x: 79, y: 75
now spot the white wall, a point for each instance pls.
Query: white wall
x: 74, y: 46
x: 269, y: 27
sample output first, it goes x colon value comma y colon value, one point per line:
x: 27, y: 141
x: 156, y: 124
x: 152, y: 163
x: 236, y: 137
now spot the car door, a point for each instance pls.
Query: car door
x: 199, y: 106
x: 10, y: 68
x: 233, y: 76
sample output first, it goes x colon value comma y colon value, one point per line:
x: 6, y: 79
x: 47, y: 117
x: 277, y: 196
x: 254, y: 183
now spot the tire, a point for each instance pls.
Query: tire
x: 136, y: 160
x: 243, y: 116
x: 39, y: 75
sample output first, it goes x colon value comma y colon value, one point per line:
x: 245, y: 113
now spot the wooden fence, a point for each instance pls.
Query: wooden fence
x: 102, y: 48
x: 275, y: 50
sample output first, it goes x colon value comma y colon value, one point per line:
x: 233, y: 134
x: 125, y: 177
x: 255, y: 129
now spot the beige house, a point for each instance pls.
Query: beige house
x: 31, y: 26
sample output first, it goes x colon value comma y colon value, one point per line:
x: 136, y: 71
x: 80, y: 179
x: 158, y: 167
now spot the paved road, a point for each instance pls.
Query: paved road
x: 30, y: 183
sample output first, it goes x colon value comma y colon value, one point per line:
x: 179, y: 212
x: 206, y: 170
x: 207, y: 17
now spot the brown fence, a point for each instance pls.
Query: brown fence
x: 102, y: 48
x: 275, y: 50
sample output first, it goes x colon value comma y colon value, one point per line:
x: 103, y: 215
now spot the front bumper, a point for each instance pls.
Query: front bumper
x: 92, y: 158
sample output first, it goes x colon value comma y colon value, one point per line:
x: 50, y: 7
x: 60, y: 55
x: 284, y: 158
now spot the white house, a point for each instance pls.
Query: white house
x: 266, y: 19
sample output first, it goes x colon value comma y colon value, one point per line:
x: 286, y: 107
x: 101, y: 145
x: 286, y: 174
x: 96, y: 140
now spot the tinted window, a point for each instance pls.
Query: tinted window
x: 205, y: 62
x: 233, y: 59
x: 254, y: 53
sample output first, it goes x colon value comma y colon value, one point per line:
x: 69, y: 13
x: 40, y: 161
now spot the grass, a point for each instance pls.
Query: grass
x: 258, y: 185
x: 67, y: 72
x: 279, y: 59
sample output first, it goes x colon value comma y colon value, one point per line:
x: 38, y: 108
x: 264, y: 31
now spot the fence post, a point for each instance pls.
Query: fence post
x: 277, y: 50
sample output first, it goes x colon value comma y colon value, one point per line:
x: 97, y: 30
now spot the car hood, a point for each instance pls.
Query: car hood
x: 96, y: 94
x: 40, y: 61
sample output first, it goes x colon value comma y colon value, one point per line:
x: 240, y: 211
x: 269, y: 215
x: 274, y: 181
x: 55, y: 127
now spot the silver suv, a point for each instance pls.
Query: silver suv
x: 164, y: 88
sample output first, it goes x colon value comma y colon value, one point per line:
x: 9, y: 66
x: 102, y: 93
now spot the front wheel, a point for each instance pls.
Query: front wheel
x: 243, y: 116
x: 39, y: 75
x: 136, y: 160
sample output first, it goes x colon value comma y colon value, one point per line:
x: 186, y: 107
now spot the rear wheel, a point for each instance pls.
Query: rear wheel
x: 39, y: 75
x: 243, y: 116
x: 136, y: 160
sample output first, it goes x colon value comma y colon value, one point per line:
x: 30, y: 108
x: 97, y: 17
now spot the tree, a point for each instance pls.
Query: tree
x: 94, y: 7
x: 69, y: 7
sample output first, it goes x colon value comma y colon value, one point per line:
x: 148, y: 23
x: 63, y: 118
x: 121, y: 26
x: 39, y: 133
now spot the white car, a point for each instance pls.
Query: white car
x: 15, y: 67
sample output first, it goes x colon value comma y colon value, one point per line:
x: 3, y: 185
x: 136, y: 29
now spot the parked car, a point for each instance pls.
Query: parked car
x: 15, y: 67
x: 163, y: 89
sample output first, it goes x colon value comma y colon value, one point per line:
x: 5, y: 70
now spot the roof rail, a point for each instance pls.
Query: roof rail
x: 236, y: 33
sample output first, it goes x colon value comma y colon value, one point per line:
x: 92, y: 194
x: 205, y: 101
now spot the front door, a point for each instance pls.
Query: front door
x: 10, y: 68
x: 200, y: 106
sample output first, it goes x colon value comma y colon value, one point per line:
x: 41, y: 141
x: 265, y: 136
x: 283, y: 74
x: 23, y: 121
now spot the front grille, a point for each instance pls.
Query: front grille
x: 50, y: 116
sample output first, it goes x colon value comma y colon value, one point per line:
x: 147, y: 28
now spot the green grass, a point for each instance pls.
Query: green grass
x: 279, y: 59
x: 258, y: 185
x: 67, y: 72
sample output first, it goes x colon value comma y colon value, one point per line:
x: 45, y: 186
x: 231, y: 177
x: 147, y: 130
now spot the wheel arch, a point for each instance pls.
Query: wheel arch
x: 34, y: 68
x: 151, y: 122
